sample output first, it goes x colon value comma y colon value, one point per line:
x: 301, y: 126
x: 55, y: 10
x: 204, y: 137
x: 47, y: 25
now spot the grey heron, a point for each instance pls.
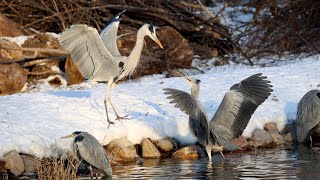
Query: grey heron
x: 89, y: 151
x: 96, y: 62
x: 308, y: 115
x: 232, y: 116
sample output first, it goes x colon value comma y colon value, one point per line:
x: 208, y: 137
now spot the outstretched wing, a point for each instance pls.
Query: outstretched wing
x: 89, y: 53
x: 236, y: 108
x: 308, y: 115
x: 198, y: 121
x: 109, y: 34
x: 91, y: 151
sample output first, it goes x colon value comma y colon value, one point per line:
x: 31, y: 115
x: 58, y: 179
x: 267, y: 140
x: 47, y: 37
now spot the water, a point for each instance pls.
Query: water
x: 294, y: 162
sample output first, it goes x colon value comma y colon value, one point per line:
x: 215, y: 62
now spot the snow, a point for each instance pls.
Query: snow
x: 33, y: 122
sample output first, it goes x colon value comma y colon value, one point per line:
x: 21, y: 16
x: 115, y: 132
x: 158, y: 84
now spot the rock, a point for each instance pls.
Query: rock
x: 177, y: 52
x: 14, y: 163
x: 165, y: 145
x: 2, y: 167
x: 289, y: 137
x: 72, y: 73
x: 262, y: 138
x: 316, y: 132
x: 189, y: 152
x: 270, y: 127
x: 121, y: 150
x: 149, y: 150
x: 9, y: 51
x: 12, y: 78
x: 44, y: 70
x: 9, y: 28
x: 30, y: 163
x: 277, y: 138
x: 241, y: 142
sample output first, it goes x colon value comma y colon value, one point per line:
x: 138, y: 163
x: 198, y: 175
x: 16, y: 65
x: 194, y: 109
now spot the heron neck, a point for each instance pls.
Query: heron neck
x: 134, y: 57
x: 195, y: 90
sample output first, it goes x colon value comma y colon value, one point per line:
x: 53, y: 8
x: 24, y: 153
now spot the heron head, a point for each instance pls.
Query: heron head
x: 189, y: 79
x: 151, y: 32
x: 74, y: 134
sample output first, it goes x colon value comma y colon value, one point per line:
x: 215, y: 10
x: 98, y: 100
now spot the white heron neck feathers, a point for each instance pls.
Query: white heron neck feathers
x: 134, y: 57
x: 195, y: 88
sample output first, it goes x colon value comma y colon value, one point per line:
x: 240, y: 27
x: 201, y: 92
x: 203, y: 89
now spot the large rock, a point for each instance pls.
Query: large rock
x: 149, y: 150
x: 30, y: 163
x: 165, y: 144
x: 270, y: 127
x: 72, y: 72
x: 189, y: 152
x: 241, y: 142
x: 9, y: 51
x: 277, y: 138
x: 9, y: 28
x: 2, y: 167
x: 14, y: 163
x: 121, y: 150
x: 12, y: 78
x: 262, y: 138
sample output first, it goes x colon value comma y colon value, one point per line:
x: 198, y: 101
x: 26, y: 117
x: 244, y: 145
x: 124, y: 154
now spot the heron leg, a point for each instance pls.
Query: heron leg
x: 109, y: 100
x: 208, y: 149
x: 106, y: 108
x: 91, y: 172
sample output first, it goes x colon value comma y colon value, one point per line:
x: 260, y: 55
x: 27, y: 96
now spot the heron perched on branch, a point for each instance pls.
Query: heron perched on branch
x: 102, y: 62
x: 89, y: 151
x: 232, y: 116
x: 308, y: 115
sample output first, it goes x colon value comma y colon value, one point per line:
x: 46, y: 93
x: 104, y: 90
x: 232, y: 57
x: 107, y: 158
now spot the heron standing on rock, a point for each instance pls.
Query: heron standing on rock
x: 232, y: 116
x: 89, y: 151
x: 308, y: 115
x: 99, y: 63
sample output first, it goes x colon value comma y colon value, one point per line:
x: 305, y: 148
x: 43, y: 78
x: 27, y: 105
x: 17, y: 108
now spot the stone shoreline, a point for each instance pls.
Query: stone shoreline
x: 122, y: 151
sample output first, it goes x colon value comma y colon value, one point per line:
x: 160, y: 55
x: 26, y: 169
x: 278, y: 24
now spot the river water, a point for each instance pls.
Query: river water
x: 287, y: 162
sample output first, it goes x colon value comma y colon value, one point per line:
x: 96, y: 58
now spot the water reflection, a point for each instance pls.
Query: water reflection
x: 296, y: 162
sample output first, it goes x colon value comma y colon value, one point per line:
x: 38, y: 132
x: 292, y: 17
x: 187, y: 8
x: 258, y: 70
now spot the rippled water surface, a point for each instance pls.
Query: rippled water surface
x: 296, y: 162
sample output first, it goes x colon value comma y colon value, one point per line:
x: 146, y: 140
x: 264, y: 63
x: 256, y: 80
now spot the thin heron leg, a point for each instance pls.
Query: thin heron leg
x: 105, y: 101
x: 109, y: 100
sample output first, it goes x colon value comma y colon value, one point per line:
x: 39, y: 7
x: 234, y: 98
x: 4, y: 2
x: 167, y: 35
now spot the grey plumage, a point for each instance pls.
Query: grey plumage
x: 102, y: 62
x: 88, y: 150
x: 232, y: 116
x: 308, y: 115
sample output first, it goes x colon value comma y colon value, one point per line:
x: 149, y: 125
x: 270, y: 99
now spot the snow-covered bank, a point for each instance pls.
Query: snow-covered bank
x: 32, y: 122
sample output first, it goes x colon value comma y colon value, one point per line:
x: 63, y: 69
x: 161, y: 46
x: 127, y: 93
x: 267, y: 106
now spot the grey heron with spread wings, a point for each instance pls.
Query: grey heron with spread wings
x: 308, y: 116
x: 101, y: 61
x: 232, y: 116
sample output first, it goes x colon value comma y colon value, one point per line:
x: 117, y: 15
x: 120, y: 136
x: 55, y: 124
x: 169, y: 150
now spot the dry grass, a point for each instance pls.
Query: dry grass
x: 58, y: 168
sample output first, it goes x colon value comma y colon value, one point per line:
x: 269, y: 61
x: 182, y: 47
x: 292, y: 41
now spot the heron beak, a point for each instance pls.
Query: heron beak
x: 185, y: 76
x: 157, y: 41
x: 68, y: 136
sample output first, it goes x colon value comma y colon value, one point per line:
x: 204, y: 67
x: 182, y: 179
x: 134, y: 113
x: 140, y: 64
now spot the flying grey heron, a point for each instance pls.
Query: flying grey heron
x: 89, y: 151
x: 96, y: 62
x: 232, y: 116
x: 308, y: 115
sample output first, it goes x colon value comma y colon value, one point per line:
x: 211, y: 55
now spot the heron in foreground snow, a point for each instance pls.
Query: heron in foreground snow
x: 101, y: 63
x: 89, y: 151
x: 308, y: 115
x: 232, y: 116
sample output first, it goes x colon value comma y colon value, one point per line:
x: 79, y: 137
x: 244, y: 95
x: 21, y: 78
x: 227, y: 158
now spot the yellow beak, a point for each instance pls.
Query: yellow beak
x: 68, y: 136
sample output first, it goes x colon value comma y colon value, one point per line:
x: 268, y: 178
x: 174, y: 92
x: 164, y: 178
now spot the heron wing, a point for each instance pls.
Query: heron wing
x: 236, y: 109
x: 308, y: 115
x: 109, y: 35
x: 198, y: 122
x: 91, y: 151
x: 88, y: 52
